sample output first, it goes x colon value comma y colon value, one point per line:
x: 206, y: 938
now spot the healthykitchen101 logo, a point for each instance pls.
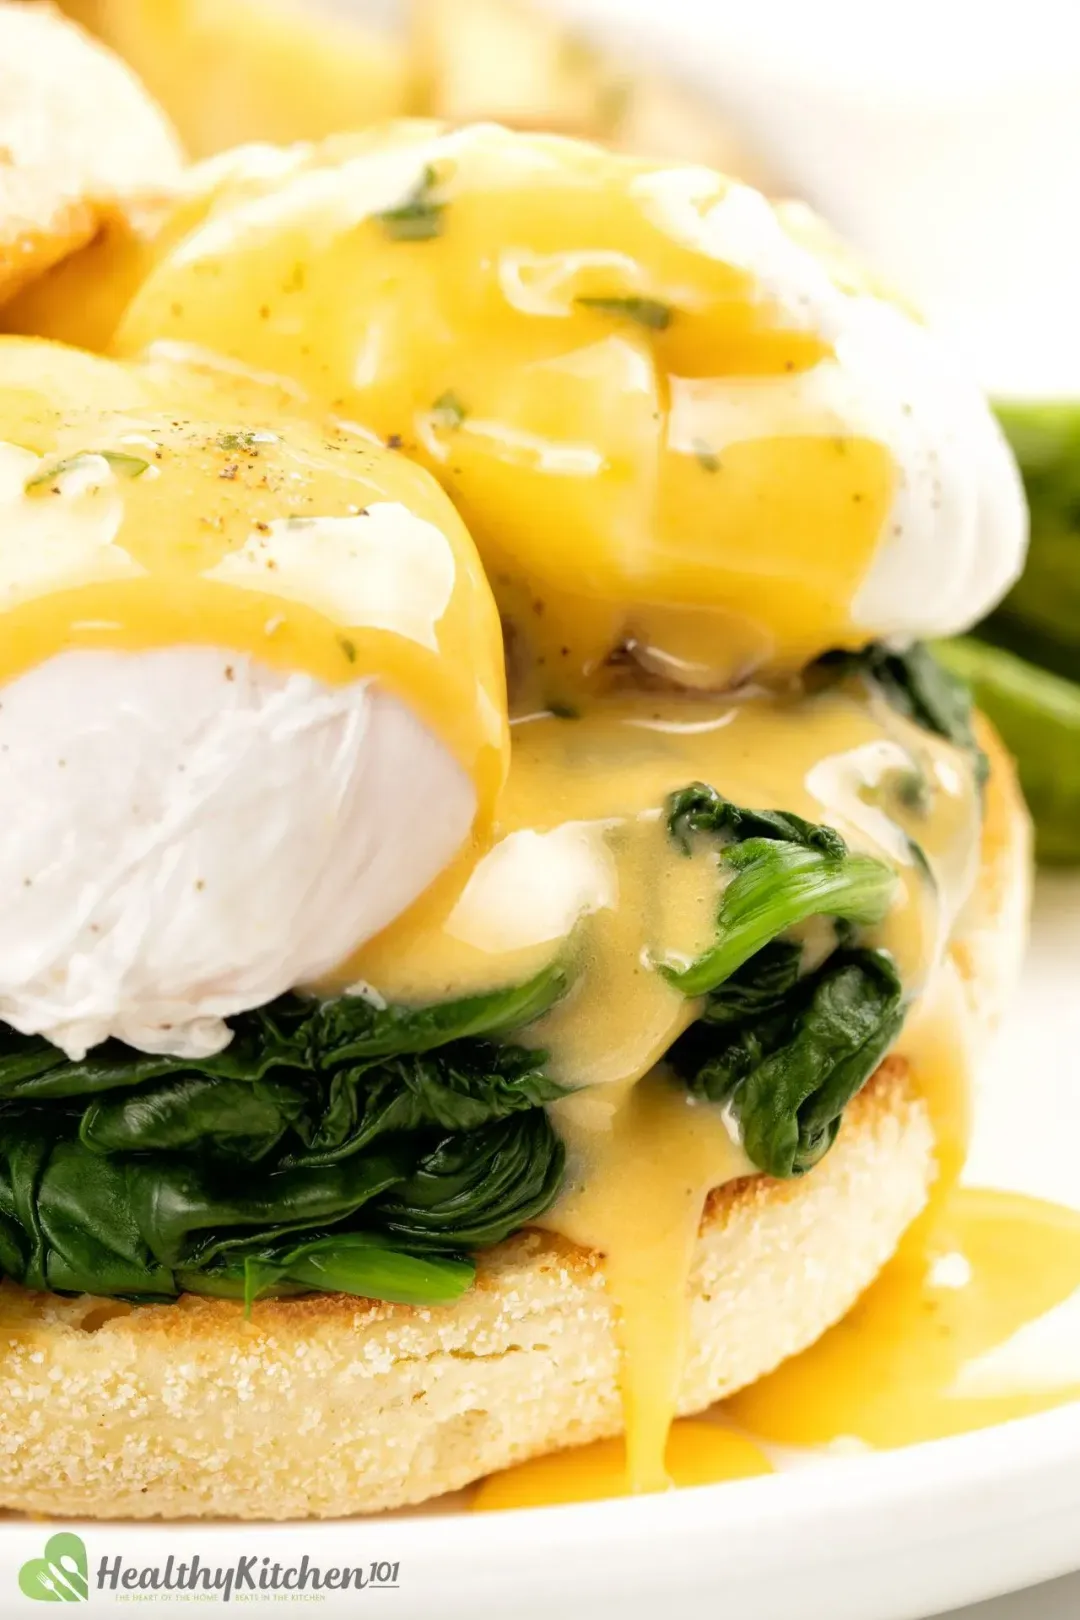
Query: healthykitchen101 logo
x: 62, y: 1575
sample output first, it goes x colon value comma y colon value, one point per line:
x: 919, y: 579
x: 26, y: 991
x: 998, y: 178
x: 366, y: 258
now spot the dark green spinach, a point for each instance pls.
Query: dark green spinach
x: 786, y: 870
x: 137, y: 1225
x: 788, y: 1065
x: 916, y: 685
x: 783, y: 1047
x: 141, y: 1176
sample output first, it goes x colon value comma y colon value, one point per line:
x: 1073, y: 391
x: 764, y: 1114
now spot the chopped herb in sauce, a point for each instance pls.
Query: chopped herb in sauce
x: 120, y: 462
x: 245, y: 441
x: 707, y: 458
x: 420, y: 216
x: 912, y: 790
x: 348, y: 648
x: 649, y: 312
x: 448, y: 411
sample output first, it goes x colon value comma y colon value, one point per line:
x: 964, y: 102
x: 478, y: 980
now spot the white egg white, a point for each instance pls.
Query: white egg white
x: 189, y: 833
x: 955, y: 537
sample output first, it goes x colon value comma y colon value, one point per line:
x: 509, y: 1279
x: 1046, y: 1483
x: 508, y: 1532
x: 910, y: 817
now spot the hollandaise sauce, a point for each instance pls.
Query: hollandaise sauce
x: 583, y: 867
x: 141, y: 513
x: 973, y: 1322
x: 698, y: 1452
x: 669, y: 425
x: 973, y: 1325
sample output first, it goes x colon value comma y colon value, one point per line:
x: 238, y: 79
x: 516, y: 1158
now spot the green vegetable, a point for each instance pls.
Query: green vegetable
x: 917, y: 686
x: 647, y: 312
x: 322, y: 1117
x: 786, y: 871
x: 125, y: 465
x: 790, y: 1064
x: 420, y: 216
x: 220, y: 1117
x: 189, y: 1211
x: 292, y: 1033
x: 403, y: 1130
x: 700, y: 809
x: 1038, y: 715
x: 148, y: 1225
x: 760, y: 986
x: 361, y: 1263
x: 468, y: 1085
x: 1040, y: 617
x: 350, y: 1028
x: 474, y: 1189
x: 66, y: 1223
x: 783, y: 1049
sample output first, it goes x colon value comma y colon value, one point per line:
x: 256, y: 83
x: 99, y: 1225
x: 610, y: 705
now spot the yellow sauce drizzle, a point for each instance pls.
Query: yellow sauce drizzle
x: 638, y: 1180
x: 959, y: 1330
x: 637, y: 415
x: 698, y: 1453
x: 581, y: 811
x: 128, y: 524
x: 954, y: 1335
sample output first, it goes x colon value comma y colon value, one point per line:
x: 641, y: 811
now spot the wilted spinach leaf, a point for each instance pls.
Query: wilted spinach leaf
x: 788, y: 1073
x: 475, y: 1189
x: 917, y: 686
x: 140, y: 1175
x: 786, y: 870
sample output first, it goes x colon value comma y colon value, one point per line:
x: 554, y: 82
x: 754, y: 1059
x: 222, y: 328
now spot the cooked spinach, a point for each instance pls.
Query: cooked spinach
x: 350, y: 1028
x: 783, y: 1047
x: 473, y: 1189
x: 790, y: 1063
x: 760, y: 986
x: 292, y: 1033
x: 785, y: 871
x: 700, y: 809
x: 362, y: 1263
x: 138, y: 1225
x: 138, y: 1175
x: 917, y: 686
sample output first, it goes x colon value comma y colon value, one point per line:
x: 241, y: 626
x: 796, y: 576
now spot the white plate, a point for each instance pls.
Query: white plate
x: 889, y: 1536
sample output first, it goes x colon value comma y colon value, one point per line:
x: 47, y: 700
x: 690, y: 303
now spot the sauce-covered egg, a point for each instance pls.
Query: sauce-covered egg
x: 251, y: 702
x: 673, y: 424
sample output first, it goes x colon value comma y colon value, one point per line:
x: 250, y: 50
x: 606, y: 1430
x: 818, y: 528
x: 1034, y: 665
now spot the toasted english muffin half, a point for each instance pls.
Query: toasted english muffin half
x: 78, y: 135
x: 328, y: 1405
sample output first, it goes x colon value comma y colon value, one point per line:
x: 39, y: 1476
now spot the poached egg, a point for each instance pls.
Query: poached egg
x: 675, y: 423
x: 251, y: 703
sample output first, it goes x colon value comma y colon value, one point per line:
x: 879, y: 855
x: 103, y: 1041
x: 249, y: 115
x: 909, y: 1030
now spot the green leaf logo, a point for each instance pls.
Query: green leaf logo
x: 60, y: 1576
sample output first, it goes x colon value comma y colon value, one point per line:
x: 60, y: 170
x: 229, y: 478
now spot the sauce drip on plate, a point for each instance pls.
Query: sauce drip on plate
x: 978, y: 1324
x: 698, y: 1453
